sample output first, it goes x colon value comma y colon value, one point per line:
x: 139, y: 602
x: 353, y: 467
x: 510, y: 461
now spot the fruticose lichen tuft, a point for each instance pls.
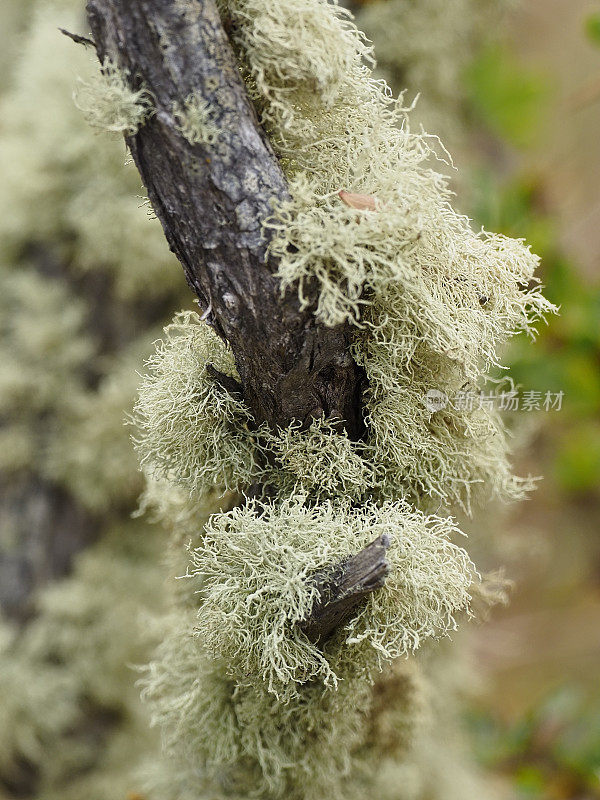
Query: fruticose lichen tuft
x: 256, y: 565
x: 228, y: 740
x: 196, y: 121
x: 191, y: 430
x: 108, y: 102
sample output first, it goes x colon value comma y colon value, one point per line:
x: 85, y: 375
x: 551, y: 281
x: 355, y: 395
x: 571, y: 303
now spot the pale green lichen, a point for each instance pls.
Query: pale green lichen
x: 320, y: 461
x: 202, y: 438
x: 412, y: 263
x: 234, y: 741
x: 43, y: 352
x: 198, y: 436
x: 41, y: 361
x: 454, y: 454
x: 413, y: 259
x: 191, y: 430
x: 223, y: 740
x: 434, y: 301
x: 196, y: 120
x: 93, y: 454
x: 72, y: 664
x: 108, y: 102
x: 47, y: 690
x: 256, y: 564
x: 14, y: 15
x: 277, y: 45
x: 84, y: 275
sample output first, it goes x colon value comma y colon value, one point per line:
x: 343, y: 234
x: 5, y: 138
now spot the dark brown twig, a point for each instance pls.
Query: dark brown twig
x: 343, y: 588
x: 75, y: 37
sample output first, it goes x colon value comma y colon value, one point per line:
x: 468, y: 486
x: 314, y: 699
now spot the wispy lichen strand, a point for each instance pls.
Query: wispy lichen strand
x: 108, y: 102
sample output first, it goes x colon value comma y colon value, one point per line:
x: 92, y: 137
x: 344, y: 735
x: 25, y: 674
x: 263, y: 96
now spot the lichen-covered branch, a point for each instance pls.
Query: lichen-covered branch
x: 212, y: 195
x: 344, y: 587
x: 212, y: 198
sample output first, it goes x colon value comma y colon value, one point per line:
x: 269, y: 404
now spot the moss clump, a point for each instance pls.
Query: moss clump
x: 108, y: 102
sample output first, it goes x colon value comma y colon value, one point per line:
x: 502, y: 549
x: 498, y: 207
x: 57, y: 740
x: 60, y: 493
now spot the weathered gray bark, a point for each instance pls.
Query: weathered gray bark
x: 212, y: 202
x: 342, y: 588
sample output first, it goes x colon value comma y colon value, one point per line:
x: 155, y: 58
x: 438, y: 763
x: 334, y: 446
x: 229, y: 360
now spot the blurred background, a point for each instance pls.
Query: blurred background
x: 513, y: 90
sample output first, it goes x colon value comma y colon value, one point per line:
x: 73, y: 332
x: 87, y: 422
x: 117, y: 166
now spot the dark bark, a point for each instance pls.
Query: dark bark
x: 43, y: 528
x: 212, y: 202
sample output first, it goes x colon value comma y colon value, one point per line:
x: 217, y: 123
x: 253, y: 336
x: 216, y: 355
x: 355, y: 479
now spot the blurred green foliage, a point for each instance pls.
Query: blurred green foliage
x: 567, y: 355
x: 592, y: 27
x: 552, y: 752
x: 512, y: 102
x: 507, y: 97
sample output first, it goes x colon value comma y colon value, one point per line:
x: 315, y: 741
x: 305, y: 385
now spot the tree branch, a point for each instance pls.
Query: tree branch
x: 344, y: 587
x: 75, y: 37
x: 212, y: 201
